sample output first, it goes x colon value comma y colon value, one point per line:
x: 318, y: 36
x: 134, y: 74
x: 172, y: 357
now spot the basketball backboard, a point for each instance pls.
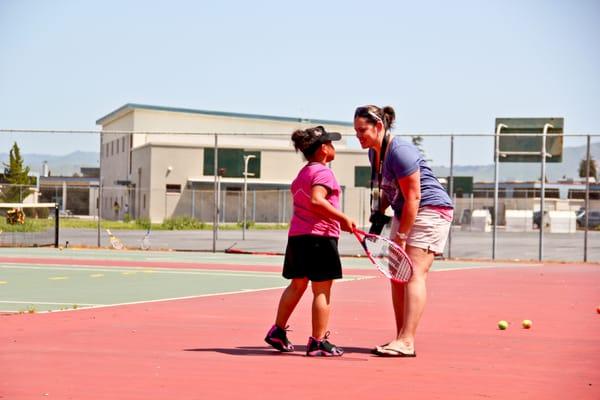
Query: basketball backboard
x: 525, y: 143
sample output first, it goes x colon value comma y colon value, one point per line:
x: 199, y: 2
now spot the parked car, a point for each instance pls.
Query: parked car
x: 537, y: 219
x: 593, y: 219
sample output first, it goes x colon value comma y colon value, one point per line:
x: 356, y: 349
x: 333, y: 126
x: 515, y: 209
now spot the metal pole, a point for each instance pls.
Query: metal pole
x: 99, y: 211
x: 587, y: 199
x: 56, y: 225
x: 496, y: 177
x: 245, y: 197
x: 246, y: 159
x: 543, y: 190
x: 193, y: 203
x: 451, y: 190
x: 216, y: 196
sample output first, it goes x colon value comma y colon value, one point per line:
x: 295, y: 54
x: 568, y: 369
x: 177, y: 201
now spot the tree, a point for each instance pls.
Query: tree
x: 583, y: 168
x: 418, y: 142
x: 17, y: 177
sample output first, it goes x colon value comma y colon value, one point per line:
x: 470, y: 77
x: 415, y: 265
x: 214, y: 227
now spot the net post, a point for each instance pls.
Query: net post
x: 56, y: 225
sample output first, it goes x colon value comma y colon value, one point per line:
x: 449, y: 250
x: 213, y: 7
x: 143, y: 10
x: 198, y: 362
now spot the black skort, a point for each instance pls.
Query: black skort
x: 313, y: 257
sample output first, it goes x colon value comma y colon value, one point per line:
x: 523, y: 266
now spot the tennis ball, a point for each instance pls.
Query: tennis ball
x: 526, y: 324
x: 502, y: 325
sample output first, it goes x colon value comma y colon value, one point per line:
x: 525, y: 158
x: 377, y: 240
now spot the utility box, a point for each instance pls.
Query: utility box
x: 481, y: 221
x: 519, y: 220
x: 562, y: 222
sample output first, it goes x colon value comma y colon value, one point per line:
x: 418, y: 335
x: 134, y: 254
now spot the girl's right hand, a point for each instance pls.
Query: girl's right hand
x: 347, y: 224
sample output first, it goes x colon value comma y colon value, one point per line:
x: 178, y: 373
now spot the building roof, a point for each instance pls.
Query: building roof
x: 133, y: 106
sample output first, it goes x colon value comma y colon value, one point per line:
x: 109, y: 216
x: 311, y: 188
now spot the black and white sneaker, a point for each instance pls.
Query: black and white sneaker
x: 277, y: 337
x: 322, y: 347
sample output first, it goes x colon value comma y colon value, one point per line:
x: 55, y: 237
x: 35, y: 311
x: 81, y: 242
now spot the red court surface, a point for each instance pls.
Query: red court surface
x: 212, y: 348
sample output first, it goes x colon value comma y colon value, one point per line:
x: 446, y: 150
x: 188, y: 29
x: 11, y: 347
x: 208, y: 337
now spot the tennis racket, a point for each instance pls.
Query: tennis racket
x: 114, y: 241
x: 388, y: 256
x: 146, y: 241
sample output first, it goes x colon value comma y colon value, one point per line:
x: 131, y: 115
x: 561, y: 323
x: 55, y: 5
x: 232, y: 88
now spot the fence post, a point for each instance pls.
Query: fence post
x: 99, y: 210
x: 587, y: 199
x: 56, y: 227
x: 193, y: 203
x: 216, y: 196
x: 543, y: 190
x: 496, y: 184
x: 451, y: 191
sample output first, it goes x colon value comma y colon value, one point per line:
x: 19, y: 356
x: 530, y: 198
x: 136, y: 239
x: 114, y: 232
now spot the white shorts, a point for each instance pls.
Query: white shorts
x: 429, y: 232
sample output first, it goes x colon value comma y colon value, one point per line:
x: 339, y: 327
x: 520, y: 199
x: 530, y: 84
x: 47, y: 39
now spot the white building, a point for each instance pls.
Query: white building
x: 160, y: 175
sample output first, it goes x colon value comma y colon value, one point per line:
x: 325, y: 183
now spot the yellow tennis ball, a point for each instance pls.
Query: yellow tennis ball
x: 502, y: 325
x: 526, y: 324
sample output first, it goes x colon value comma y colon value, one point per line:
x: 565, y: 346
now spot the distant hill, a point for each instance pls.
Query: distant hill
x: 568, y: 168
x: 71, y: 163
x: 65, y: 165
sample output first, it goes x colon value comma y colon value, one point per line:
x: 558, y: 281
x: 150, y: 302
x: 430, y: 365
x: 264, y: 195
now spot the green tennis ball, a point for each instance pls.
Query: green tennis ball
x: 527, y: 324
x: 502, y: 325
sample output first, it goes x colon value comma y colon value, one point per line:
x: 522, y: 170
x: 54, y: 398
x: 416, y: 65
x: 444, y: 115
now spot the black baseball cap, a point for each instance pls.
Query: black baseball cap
x: 322, y: 136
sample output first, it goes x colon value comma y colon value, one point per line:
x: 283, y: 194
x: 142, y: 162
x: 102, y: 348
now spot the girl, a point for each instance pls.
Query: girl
x: 422, y: 216
x: 312, y: 253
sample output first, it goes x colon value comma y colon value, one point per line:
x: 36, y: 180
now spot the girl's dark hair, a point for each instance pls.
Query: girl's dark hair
x: 372, y: 113
x: 304, y: 141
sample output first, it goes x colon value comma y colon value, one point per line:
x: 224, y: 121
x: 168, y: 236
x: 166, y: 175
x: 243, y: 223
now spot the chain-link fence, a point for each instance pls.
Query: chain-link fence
x: 497, y: 210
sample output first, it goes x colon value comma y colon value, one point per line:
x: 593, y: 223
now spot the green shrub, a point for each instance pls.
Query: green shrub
x: 143, y: 223
x: 249, y: 224
x: 126, y: 218
x: 182, y: 223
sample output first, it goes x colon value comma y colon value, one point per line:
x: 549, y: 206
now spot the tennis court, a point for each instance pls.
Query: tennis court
x: 152, y: 325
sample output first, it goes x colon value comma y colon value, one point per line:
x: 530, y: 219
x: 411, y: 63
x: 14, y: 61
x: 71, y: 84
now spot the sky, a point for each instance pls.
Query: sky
x: 445, y: 66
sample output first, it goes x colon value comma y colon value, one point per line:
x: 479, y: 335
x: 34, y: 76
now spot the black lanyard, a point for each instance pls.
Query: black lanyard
x: 379, y: 170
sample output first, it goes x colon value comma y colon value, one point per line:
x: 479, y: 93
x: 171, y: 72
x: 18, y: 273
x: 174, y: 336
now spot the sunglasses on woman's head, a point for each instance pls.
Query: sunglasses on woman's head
x: 363, y: 111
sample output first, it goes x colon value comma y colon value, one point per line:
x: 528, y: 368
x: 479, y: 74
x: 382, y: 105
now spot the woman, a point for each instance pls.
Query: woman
x: 312, y: 252
x: 422, y: 216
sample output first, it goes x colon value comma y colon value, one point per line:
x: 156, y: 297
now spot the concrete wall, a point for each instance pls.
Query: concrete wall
x: 154, y: 153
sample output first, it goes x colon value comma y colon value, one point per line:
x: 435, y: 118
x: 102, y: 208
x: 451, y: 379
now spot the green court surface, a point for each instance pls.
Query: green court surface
x: 28, y: 286
x: 33, y: 287
x: 51, y: 287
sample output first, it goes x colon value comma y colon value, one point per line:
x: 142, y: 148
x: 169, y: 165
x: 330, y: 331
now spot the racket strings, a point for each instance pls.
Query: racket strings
x: 391, y: 260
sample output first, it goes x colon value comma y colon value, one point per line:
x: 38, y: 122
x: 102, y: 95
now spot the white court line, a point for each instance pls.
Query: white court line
x: 241, y: 291
x: 484, y: 267
x: 47, y: 303
x: 58, y: 267
x: 161, y: 300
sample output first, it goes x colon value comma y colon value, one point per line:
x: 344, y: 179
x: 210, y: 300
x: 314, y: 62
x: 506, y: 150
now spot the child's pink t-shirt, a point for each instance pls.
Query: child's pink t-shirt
x: 305, y: 221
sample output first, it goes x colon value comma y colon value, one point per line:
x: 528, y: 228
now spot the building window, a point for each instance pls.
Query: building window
x: 144, y: 201
x: 112, y: 147
x: 106, y: 151
x: 232, y: 161
x: 123, y: 144
x: 362, y: 176
x: 173, y: 188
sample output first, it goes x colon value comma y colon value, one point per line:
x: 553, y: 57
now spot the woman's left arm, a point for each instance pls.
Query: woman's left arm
x: 410, y: 186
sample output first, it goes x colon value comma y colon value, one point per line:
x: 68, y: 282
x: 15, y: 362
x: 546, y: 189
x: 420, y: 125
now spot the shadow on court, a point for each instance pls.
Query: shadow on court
x: 266, y: 351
